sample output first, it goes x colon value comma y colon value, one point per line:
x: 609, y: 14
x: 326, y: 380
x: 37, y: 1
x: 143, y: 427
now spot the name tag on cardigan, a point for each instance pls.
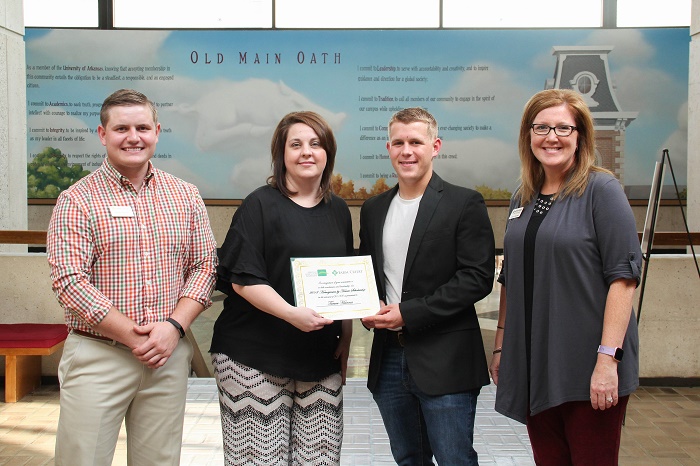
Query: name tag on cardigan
x: 121, y: 211
x: 516, y: 213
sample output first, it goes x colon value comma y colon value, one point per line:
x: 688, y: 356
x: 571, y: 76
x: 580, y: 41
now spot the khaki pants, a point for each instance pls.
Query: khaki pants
x: 104, y: 384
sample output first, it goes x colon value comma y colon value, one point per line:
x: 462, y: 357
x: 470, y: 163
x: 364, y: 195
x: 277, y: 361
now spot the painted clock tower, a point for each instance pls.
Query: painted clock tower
x: 585, y: 69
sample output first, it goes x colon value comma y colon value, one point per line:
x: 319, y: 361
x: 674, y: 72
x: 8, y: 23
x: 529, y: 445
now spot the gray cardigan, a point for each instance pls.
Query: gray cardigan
x: 582, y: 246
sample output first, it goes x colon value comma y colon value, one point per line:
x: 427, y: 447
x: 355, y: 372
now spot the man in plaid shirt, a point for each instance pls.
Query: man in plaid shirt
x: 133, y: 263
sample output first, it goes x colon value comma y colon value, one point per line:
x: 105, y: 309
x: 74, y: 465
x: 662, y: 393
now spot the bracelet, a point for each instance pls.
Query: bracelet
x: 497, y: 350
x: 177, y: 325
x: 502, y: 328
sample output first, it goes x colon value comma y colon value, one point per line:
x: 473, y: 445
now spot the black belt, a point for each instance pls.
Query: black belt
x: 92, y: 335
x: 396, y: 338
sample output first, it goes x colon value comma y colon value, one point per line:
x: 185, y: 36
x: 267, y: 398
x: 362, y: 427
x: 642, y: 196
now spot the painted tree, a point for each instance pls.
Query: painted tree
x: 491, y: 193
x: 379, y: 187
x: 49, y: 174
x: 346, y: 189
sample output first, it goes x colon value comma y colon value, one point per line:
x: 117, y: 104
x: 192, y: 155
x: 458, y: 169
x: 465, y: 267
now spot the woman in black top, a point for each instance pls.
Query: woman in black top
x: 279, y: 367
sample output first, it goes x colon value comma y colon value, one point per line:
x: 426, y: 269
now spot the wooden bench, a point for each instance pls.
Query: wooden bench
x: 23, y: 345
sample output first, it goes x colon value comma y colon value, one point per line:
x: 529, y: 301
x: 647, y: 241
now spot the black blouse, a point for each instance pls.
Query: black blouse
x: 542, y: 206
x: 266, y: 231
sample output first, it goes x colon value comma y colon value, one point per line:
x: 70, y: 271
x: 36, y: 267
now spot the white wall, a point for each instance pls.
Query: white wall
x: 13, y: 123
x: 25, y: 288
x: 670, y: 324
x: 694, y: 121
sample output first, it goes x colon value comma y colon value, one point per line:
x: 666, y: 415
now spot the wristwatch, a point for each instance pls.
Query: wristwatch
x: 177, y: 325
x: 616, y: 353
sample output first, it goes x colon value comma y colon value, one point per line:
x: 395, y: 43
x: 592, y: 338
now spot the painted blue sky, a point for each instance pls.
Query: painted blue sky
x: 220, y: 116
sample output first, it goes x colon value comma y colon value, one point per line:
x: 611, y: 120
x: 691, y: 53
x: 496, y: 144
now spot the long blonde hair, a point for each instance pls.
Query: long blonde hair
x: 531, y: 171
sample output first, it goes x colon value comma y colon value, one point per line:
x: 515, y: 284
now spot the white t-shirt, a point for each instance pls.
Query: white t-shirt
x: 398, y: 227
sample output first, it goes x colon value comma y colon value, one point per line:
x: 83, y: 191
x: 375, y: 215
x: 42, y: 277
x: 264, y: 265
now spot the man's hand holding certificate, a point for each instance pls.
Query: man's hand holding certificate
x: 336, y: 287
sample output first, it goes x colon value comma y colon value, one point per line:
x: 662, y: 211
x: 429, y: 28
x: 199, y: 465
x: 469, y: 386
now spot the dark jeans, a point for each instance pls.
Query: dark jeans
x: 421, y: 425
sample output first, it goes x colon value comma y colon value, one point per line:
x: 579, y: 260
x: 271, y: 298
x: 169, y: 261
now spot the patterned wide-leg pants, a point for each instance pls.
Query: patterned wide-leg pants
x: 268, y: 420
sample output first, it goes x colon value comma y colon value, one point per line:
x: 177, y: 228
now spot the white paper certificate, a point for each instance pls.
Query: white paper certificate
x: 336, y: 287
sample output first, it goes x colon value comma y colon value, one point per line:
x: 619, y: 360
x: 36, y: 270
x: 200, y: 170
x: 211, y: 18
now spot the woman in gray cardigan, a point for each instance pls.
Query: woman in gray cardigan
x: 571, y: 264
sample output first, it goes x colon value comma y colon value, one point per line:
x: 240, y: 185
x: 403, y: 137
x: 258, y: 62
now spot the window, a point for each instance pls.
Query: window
x: 357, y: 14
x: 199, y: 14
x: 66, y: 13
x: 521, y: 14
x: 586, y: 83
x: 651, y: 13
x: 354, y: 14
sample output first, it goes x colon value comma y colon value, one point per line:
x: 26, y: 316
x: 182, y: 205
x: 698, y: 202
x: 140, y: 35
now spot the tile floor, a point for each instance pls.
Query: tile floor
x: 662, y: 428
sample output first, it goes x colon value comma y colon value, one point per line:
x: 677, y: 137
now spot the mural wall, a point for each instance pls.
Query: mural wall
x: 221, y: 93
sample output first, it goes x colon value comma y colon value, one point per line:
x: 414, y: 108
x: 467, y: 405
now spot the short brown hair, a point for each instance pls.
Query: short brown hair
x: 531, y: 171
x: 125, y: 98
x: 279, y: 140
x: 413, y: 115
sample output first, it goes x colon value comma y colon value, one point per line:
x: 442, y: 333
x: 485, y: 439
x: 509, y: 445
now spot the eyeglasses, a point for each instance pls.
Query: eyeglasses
x: 561, y: 130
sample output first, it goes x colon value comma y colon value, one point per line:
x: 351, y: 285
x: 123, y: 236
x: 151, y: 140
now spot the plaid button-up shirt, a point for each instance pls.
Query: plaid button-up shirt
x: 109, y: 245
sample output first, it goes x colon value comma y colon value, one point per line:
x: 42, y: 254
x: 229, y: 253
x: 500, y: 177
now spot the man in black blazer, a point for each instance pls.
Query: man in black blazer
x: 432, y: 247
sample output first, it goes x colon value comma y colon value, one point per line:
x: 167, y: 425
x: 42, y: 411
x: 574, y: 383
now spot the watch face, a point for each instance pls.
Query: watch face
x: 618, y: 354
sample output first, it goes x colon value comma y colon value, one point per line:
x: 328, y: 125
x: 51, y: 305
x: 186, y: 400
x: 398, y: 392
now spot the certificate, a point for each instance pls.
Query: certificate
x: 336, y: 287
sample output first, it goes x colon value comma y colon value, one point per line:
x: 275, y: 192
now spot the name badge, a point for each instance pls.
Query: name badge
x: 516, y: 213
x: 121, y: 211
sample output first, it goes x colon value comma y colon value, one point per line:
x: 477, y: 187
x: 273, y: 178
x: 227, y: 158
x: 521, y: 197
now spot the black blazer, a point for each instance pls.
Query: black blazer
x: 449, y: 267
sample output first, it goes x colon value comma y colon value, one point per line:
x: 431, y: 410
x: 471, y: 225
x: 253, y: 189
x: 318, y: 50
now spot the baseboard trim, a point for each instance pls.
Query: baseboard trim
x: 669, y: 381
